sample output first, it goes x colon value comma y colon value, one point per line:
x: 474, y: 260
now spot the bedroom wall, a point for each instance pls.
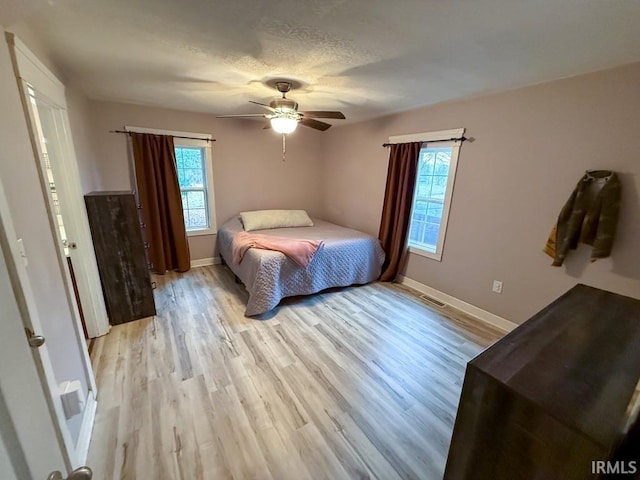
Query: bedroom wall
x: 248, y: 170
x: 531, y: 147
x: 38, y: 47
x: 77, y: 104
x: 79, y: 120
x: 77, y: 107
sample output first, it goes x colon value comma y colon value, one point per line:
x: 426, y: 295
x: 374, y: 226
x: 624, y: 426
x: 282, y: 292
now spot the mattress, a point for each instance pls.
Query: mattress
x: 346, y: 257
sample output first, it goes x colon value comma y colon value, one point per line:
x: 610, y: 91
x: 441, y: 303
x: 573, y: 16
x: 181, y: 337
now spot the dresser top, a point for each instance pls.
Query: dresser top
x: 109, y: 192
x: 578, y: 359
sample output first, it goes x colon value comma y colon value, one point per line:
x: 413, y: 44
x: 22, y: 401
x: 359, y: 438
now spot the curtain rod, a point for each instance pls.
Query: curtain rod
x: 174, y: 136
x: 459, y: 139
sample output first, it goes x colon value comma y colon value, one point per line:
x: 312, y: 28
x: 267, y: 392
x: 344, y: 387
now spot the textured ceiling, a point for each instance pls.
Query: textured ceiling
x: 364, y: 57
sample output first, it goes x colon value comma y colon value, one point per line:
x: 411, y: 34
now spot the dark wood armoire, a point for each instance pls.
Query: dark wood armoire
x: 121, y: 255
x: 555, y: 399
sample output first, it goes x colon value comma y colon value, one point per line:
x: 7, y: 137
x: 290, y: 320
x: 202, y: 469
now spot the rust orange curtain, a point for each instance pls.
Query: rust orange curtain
x: 396, y: 210
x: 161, y: 202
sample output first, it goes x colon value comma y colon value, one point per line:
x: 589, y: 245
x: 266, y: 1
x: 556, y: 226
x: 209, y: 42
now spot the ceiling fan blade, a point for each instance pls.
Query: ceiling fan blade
x: 310, y: 122
x: 324, y: 114
x: 243, y: 115
x: 262, y: 105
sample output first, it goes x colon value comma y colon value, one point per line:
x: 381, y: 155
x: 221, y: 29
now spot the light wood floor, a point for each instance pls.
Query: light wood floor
x: 354, y: 383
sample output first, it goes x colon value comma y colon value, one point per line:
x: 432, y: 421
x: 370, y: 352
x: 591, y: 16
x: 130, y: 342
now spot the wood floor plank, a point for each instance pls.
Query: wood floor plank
x: 104, y: 443
x: 242, y: 451
x: 318, y: 455
x: 324, y: 412
x: 353, y: 383
x: 274, y: 436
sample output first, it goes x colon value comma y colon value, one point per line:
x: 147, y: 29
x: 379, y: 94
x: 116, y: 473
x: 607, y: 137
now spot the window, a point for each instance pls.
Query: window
x: 195, y: 178
x: 193, y: 162
x: 434, y: 187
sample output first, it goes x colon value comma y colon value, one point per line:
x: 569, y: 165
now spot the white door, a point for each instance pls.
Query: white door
x: 51, y: 137
x: 29, y: 452
x: 33, y: 441
x: 50, y: 307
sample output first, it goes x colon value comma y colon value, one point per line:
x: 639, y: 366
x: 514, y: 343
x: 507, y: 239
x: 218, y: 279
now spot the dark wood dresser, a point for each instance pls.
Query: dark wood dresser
x: 121, y: 255
x: 554, y: 395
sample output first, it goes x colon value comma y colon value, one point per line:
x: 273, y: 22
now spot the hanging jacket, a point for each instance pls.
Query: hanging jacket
x: 590, y: 216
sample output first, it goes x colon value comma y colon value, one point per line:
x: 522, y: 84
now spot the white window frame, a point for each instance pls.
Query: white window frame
x: 440, y: 137
x: 202, y: 140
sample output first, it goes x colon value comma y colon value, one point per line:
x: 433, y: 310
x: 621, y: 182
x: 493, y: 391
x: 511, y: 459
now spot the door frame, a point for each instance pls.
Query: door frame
x: 31, y: 72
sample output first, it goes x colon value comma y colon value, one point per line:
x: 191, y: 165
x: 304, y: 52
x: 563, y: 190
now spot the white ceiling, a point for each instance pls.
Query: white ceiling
x: 364, y: 57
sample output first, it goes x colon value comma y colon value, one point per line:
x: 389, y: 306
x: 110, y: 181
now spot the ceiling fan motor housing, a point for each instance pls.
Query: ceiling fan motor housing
x: 284, y: 105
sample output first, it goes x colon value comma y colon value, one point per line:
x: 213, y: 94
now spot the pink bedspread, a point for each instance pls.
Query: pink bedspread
x: 300, y: 251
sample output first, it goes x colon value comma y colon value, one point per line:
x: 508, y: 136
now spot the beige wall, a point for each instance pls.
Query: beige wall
x: 248, y: 169
x: 77, y: 108
x: 531, y: 147
x: 38, y: 47
x: 79, y: 120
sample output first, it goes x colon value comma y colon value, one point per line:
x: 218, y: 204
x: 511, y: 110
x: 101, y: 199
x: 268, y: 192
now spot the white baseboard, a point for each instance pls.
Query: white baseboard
x: 203, y: 262
x: 84, y: 437
x: 488, y: 317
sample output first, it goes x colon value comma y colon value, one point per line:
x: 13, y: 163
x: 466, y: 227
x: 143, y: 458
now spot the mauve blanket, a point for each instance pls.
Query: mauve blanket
x: 300, y: 251
x: 347, y: 257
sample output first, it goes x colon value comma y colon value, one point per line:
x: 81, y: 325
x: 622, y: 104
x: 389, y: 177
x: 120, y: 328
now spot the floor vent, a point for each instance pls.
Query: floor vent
x: 432, y: 301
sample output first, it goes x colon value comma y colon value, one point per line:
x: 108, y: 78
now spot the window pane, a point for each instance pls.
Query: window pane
x: 431, y: 235
x: 181, y: 180
x: 424, y: 234
x: 179, y: 159
x: 439, y: 188
x: 443, y: 159
x: 190, y: 165
x: 191, y: 178
x: 424, y: 185
x: 192, y: 157
x: 416, y: 231
x: 427, y: 162
x: 420, y: 209
x: 195, y: 200
x: 434, y: 213
x: 197, y: 218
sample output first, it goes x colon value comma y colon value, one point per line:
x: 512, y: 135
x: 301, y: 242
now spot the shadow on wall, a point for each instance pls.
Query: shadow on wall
x: 624, y: 256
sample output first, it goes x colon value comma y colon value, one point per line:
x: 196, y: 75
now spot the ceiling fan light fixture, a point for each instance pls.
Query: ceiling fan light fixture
x: 284, y: 125
x: 284, y: 115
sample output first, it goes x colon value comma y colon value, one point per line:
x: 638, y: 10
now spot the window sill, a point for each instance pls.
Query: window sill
x: 198, y: 233
x: 424, y: 253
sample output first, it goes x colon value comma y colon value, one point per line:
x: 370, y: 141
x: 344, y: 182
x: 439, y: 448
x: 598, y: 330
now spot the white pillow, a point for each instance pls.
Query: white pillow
x: 263, y: 219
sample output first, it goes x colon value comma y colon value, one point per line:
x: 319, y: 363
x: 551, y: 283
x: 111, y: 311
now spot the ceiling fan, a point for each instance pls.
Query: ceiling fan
x: 284, y: 116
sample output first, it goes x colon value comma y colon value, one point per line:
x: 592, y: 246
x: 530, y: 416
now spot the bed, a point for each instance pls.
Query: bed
x: 346, y: 257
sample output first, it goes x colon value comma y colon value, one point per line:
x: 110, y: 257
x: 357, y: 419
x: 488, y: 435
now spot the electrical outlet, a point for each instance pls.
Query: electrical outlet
x: 497, y: 286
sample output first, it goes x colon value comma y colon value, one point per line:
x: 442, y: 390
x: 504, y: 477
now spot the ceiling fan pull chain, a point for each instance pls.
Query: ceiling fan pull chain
x: 284, y: 146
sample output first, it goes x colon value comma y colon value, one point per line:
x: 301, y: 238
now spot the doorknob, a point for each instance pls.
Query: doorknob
x: 82, y: 473
x: 34, y: 340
